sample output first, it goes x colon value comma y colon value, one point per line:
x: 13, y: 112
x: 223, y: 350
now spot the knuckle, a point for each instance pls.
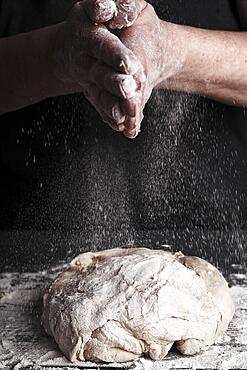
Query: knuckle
x: 100, y: 10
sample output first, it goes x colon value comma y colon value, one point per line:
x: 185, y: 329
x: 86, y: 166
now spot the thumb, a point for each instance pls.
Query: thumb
x: 119, y: 13
x: 100, y: 11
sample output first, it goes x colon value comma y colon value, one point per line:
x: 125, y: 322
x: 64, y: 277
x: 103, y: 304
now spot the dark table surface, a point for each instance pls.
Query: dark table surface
x: 32, y: 259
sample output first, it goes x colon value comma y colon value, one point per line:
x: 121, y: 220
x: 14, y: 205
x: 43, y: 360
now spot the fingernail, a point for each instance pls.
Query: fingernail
x: 117, y: 114
x: 131, y: 134
x: 128, y: 87
x: 121, y: 127
x: 135, y: 132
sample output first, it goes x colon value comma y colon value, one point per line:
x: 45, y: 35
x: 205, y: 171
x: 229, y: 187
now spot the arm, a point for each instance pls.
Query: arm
x: 212, y: 63
x: 27, y: 69
x: 176, y: 57
x: 75, y: 55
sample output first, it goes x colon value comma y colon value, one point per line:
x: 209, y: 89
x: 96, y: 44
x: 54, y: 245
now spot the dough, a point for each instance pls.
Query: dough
x: 118, y: 304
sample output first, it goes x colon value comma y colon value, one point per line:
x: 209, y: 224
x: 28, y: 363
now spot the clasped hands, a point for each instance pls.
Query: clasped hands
x: 113, y: 50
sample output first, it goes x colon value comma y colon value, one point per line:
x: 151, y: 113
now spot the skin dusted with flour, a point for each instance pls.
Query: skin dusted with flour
x: 116, y: 305
x: 185, y: 59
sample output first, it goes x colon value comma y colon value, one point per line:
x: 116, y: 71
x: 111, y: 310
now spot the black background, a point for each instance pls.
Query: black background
x: 68, y: 183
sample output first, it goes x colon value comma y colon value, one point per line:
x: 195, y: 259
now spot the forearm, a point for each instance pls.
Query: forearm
x: 27, y: 69
x: 210, y: 63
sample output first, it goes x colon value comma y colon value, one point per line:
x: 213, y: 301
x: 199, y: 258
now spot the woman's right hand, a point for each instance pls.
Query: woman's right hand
x: 108, y: 72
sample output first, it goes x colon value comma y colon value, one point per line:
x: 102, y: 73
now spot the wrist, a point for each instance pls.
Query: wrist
x: 27, y: 70
x: 174, y: 55
x: 60, y: 83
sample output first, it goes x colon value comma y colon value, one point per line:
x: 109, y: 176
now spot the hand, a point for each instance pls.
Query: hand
x: 153, y: 43
x: 148, y: 38
x: 118, y: 13
x: 148, y: 41
x: 92, y: 56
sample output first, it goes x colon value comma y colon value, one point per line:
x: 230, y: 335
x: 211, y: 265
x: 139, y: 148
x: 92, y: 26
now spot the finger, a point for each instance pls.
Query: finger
x: 120, y: 85
x: 132, y: 127
x: 104, y: 102
x: 135, y: 112
x: 140, y: 77
x: 101, y: 44
x: 100, y: 11
x: 120, y: 13
x: 92, y: 93
x: 141, y: 5
x: 126, y: 13
x: 130, y: 124
x: 133, y: 124
x: 111, y: 123
x: 128, y: 106
x: 106, y: 47
x: 111, y: 107
x: 98, y: 73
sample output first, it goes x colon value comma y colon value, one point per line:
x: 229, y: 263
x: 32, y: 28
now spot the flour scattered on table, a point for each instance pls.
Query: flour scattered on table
x: 116, y: 305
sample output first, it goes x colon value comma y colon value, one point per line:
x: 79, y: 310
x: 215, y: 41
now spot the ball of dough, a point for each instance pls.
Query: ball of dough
x: 119, y: 304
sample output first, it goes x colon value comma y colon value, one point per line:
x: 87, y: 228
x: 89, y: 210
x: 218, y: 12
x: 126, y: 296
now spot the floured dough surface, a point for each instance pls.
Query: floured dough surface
x: 119, y: 304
